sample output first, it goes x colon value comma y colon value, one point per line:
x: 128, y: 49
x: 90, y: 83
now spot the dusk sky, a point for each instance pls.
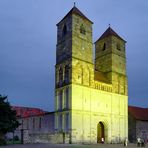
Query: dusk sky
x: 28, y: 37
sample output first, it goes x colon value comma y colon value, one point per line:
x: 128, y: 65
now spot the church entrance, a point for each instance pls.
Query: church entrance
x: 100, y: 132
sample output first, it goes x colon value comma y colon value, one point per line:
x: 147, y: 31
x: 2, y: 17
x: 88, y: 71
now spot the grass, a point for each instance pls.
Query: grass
x: 13, y: 142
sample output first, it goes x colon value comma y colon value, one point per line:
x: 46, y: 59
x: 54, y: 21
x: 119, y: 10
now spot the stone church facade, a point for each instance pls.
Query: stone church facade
x: 91, y: 97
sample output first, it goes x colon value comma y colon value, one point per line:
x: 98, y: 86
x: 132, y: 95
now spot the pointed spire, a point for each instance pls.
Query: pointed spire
x: 74, y: 4
x: 110, y: 32
x: 76, y: 11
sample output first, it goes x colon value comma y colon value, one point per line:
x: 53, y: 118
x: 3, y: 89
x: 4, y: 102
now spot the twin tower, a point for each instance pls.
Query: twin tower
x: 91, y: 97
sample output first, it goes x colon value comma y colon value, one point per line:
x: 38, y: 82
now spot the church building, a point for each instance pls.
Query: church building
x: 91, y: 97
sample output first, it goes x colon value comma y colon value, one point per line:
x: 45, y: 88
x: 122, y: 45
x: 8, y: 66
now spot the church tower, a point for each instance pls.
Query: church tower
x: 90, y: 100
x: 110, y: 58
x: 74, y: 66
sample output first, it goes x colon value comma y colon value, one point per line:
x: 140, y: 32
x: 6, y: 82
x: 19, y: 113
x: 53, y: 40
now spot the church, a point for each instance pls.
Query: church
x: 91, y: 93
x: 91, y: 97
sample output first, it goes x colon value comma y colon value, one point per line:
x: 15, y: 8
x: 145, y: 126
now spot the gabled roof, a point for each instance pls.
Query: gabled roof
x: 109, y: 32
x: 76, y: 11
x: 138, y: 113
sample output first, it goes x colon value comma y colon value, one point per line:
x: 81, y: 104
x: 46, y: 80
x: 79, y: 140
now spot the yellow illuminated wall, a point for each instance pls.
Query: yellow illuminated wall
x: 90, y: 106
x: 89, y: 94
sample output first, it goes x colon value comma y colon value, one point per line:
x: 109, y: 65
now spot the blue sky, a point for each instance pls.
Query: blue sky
x: 28, y: 44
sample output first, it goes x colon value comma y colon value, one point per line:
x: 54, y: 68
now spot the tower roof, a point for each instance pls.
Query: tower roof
x: 110, y: 32
x: 76, y: 11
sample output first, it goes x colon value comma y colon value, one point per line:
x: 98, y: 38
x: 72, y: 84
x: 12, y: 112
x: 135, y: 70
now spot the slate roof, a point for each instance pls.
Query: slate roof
x: 76, y: 11
x: 138, y: 113
x: 110, y: 32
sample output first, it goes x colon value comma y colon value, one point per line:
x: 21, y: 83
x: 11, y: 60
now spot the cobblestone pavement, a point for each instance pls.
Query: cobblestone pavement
x: 69, y: 146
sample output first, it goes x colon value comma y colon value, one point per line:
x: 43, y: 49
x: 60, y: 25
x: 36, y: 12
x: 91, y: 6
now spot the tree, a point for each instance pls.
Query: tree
x: 8, y: 120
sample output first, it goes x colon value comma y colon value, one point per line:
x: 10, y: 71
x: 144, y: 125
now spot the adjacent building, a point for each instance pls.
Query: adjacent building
x: 138, y: 123
x: 35, y: 125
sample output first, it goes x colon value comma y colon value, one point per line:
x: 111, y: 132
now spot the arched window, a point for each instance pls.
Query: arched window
x: 66, y: 73
x: 104, y: 46
x: 60, y: 123
x: 40, y: 123
x: 60, y: 100
x: 118, y: 46
x: 64, y: 30
x: 79, y: 75
x: 33, y: 123
x: 60, y: 75
x: 82, y: 29
x: 67, y: 122
x: 67, y: 98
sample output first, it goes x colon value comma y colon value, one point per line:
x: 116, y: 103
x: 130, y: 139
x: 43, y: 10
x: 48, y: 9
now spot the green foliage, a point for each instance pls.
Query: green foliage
x: 2, y: 142
x: 8, y: 121
x: 16, y: 138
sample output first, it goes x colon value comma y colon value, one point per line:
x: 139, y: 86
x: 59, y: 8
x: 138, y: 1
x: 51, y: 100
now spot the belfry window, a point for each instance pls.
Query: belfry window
x: 104, y: 46
x: 82, y: 29
x: 118, y: 46
x: 64, y: 32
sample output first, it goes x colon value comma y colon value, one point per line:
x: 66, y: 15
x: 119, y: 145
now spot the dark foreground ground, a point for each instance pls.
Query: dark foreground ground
x: 69, y: 146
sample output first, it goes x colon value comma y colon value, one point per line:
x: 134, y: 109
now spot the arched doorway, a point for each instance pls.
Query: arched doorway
x: 100, y: 132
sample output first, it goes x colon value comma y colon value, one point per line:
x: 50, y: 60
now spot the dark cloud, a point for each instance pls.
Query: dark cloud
x: 28, y: 45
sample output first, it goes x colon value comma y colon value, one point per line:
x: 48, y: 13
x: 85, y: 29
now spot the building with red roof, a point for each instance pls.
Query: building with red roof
x: 137, y: 123
x: 33, y: 121
x: 23, y: 112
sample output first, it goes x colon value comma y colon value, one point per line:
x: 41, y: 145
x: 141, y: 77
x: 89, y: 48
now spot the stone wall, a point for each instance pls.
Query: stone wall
x: 137, y: 128
x: 91, y: 106
x: 34, y: 125
x: 46, y: 138
x: 142, y: 129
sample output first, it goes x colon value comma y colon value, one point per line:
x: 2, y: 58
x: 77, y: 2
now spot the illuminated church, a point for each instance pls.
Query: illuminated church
x: 91, y: 97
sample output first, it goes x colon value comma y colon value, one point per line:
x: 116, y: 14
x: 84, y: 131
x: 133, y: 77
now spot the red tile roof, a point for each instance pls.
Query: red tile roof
x: 138, y: 113
x: 110, y: 32
x: 23, y: 112
x: 76, y: 11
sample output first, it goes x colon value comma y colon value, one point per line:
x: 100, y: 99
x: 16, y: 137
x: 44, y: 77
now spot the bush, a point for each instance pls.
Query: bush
x: 3, y: 142
x: 16, y: 138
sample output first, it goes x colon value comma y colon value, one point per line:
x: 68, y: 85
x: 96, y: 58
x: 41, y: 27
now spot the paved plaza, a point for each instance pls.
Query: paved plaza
x: 69, y: 146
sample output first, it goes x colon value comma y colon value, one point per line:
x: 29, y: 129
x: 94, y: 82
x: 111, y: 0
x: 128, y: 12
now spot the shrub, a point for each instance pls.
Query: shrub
x: 2, y: 142
x: 16, y: 138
